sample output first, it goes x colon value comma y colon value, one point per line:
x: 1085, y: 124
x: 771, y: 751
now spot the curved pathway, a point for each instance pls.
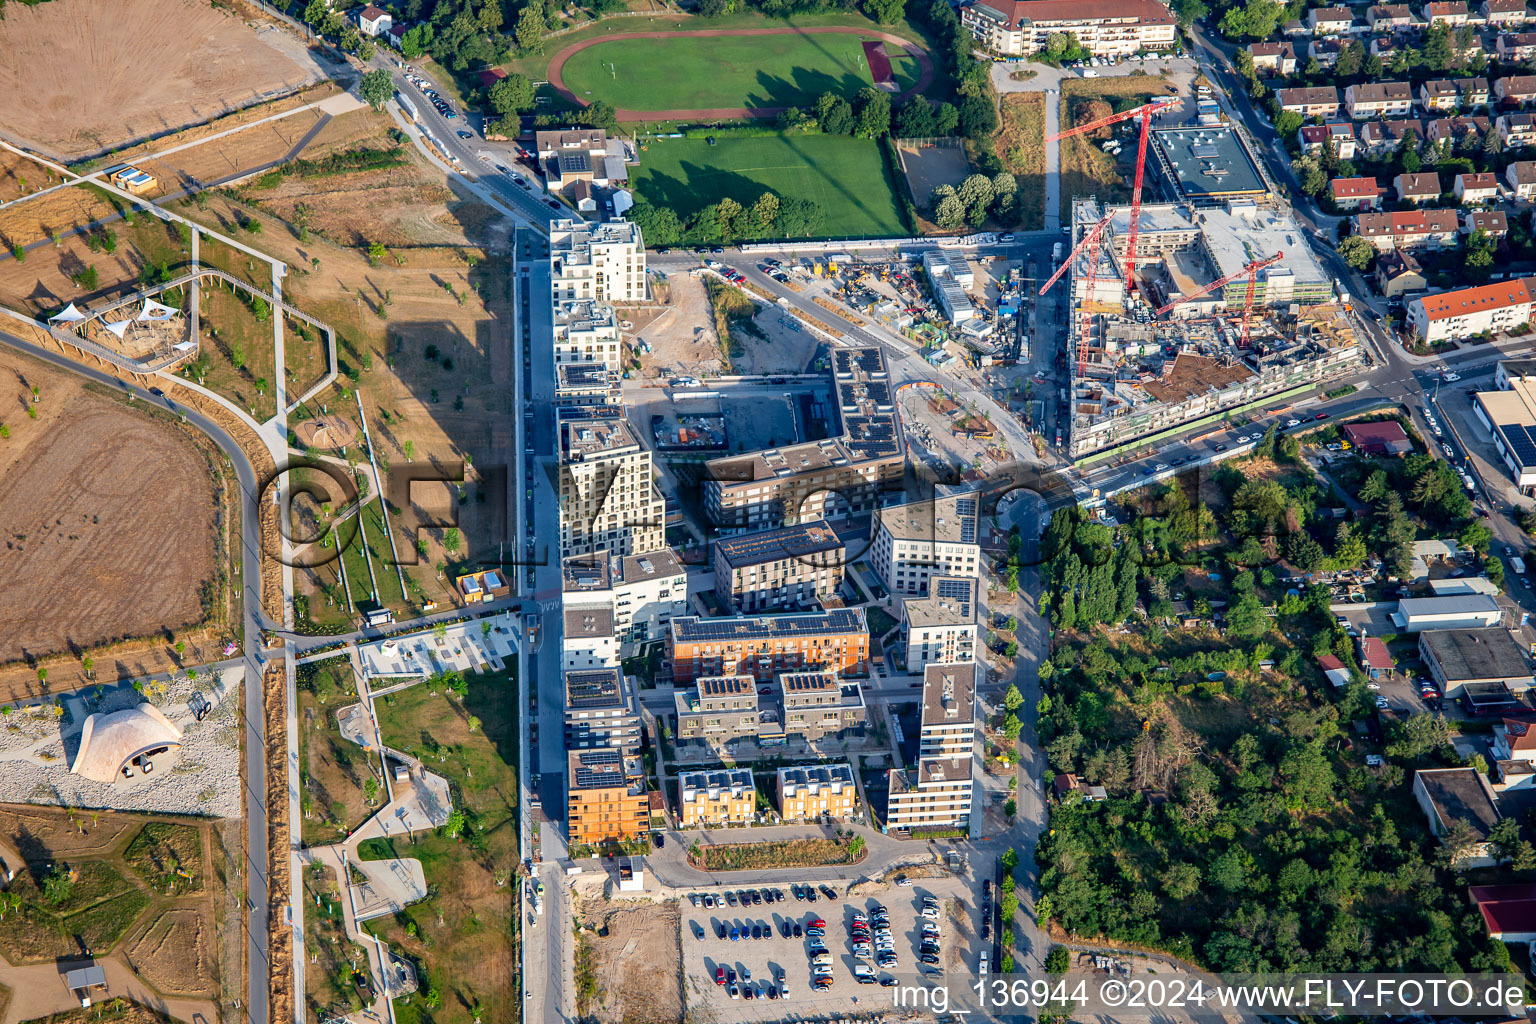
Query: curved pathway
x: 557, y: 64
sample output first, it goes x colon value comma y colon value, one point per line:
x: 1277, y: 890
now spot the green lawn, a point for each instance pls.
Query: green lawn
x: 846, y: 177
x: 372, y: 545
x: 692, y: 71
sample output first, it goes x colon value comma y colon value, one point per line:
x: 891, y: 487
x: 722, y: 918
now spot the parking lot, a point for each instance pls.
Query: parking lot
x: 764, y: 960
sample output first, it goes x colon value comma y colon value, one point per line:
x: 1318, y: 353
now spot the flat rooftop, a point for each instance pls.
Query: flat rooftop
x: 932, y: 770
x: 726, y: 686
x: 588, y: 622
x: 595, y: 689
x: 950, y: 520
x: 1236, y: 237
x: 1476, y: 653
x: 604, y: 769
x: 1208, y: 162
x: 1458, y: 794
x: 593, y: 376
x: 601, y: 571
x: 951, y: 601
x: 816, y: 775
x: 582, y: 315
x: 693, y: 629
x: 949, y: 694
x: 802, y: 541
x: 592, y: 436
x: 689, y: 782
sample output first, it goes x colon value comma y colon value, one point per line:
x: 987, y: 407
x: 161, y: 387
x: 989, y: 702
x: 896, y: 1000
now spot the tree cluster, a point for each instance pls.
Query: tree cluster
x: 975, y: 198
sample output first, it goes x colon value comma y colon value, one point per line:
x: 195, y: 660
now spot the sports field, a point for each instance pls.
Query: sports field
x: 844, y: 176
x: 691, y: 71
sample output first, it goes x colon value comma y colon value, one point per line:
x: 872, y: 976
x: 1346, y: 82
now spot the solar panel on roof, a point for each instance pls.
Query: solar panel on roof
x: 1523, y: 441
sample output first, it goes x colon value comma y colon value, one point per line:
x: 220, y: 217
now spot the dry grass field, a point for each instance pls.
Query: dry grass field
x: 94, y: 492
x: 633, y: 955
x: 59, y: 211
x: 1085, y: 168
x: 46, y: 281
x: 135, y: 69
x: 1021, y: 147
x: 423, y: 336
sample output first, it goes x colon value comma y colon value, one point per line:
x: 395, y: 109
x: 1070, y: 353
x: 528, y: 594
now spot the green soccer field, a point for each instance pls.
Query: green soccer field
x: 843, y: 175
x: 690, y: 72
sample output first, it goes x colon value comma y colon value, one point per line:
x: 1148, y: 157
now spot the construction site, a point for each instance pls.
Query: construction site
x: 1202, y: 312
x: 1195, y: 309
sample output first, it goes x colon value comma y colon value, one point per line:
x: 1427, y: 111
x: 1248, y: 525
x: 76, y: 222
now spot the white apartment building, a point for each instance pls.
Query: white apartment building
x: 923, y: 539
x: 587, y: 332
x: 941, y: 628
x: 1104, y: 27
x: 608, y: 500
x: 589, y: 642
x: 642, y: 591
x: 603, y: 261
x: 1463, y: 312
x: 936, y: 794
x: 948, y: 726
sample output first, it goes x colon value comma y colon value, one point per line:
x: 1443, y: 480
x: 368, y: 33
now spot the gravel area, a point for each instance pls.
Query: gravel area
x: 36, y: 748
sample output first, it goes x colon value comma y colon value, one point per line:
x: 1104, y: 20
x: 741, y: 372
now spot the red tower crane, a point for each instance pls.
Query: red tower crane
x: 1145, y: 113
x: 1251, y: 271
x: 1090, y: 243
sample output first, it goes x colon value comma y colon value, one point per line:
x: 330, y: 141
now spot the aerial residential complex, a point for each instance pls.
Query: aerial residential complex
x: 918, y: 541
x: 836, y: 640
x: 608, y: 498
x: 843, y: 475
x: 1107, y: 27
x: 941, y: 627
x: 642, y: 592
x: 605, y: 262
x: 787, y: 569
x: 601, y: 710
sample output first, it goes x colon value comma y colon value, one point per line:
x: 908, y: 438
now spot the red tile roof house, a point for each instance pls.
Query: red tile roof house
x: 1378, y: 99
x: 1514, y: 47
x: 1333, y: 669
x: 1378, y: 138
x: 1521, y: 176
x: 1325, y: 51
x: 1275, y: 58
x: 1472, y: 189
x: 1517, y: 130
x: 1417, y: 188
x: 1493, y: 223
x: 1355, y: 193
x: 1329, y: 21
x: 1503, y: 13
x: 1474, y: 92
x: 1452, y: 13
x: 1509, y: 911
x: 1409, y: 229
x: 1317, y: 101
x: 1389, y: 17
x: 1311, y: 138
x: 1457, y: 130
x: 1515, y: 90
x: 1384, y: 438
x: 1438, y: 94
x: 1514, y: 741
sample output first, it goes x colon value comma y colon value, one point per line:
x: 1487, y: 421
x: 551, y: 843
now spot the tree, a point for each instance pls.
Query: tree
x: 1477, y: 254
x: 1009, y: 860
x: 975, y: 192
x: 529, y: 31
x: 886, y: 12
x: 872, y: 113
x: 1507, y: 843
x: 978, y: 116
x: 950, y: 213
x: 1012, y: 727
x: 945, y: 120
x: 490, y: 16
x: 1257, y: 19
x: 453, y: 828
x: 452, y: 538
x: 1013, y: 699
x: 1351, y: 60
x: 1457, y: 841
x: 834, y: 114
x: 376, y: 253
x: 1357, y: 252
x: 58, y: 885
x: 370, y: 789
x: 1437, y: 52
x: 659, y: 225
x: 1476, y: 536
x: 1287, y: 122
x: 766, y: 210
x: 376, y: 88
x: 511, y: 95
x: 1191, y: 11
x: 914, y: 119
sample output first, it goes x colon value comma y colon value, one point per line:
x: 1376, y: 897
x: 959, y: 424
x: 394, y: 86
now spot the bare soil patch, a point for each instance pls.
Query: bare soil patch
x: 928, y: 167
x: 682, y: 336
x: 635, y: 957
x: 97, y: 494
x: 176, y: 952
x: 96, y: 75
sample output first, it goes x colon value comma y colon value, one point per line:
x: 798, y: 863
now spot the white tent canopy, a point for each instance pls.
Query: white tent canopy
x: 156, y: 311
x: 69, y: 315
x: 120, y: 328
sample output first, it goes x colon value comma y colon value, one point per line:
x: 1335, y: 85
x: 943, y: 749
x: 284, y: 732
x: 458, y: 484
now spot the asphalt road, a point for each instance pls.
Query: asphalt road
x: 255, y: 721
